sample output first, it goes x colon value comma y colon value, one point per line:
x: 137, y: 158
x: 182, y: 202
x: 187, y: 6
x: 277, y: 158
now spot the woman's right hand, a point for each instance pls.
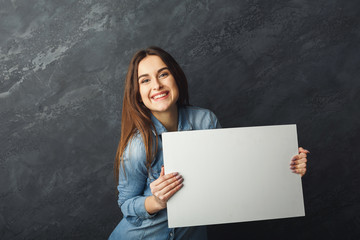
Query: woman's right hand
x: 165, y: 187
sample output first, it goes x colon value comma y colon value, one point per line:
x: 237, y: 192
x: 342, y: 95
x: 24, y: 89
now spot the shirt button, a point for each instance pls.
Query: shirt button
x: 171, y: 234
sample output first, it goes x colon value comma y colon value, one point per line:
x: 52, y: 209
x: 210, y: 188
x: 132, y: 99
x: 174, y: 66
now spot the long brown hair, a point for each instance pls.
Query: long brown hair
x: 135, y: 116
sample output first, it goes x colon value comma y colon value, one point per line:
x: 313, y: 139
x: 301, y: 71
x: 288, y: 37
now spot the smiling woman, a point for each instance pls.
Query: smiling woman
x: 158, y: 90
x: 155, y: 101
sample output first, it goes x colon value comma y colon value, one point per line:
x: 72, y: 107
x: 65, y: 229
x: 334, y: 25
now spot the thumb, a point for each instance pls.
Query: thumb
x: 162, y: 171
x: 303, y: 150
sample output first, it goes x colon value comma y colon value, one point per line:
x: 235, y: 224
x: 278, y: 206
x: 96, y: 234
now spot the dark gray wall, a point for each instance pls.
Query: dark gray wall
x: 251, y: 62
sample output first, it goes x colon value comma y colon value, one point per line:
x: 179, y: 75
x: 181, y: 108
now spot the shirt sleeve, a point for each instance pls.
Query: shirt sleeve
x: 214, y: 121
x: 132, y: 182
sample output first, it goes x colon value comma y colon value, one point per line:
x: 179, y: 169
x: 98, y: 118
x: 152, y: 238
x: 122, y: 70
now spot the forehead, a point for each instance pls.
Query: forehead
x: 150, y: 64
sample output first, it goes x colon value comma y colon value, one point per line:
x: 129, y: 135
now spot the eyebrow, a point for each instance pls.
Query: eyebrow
x: 161, y: 69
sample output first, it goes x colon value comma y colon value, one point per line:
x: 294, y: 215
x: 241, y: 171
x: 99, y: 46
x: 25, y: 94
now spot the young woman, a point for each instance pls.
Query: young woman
x: 156, y: 100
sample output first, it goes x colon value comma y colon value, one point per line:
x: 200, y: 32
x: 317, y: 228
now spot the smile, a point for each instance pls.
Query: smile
x: 160, y: 95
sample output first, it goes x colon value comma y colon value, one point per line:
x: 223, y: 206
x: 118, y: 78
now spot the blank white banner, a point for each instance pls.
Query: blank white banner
x: 233, y: 175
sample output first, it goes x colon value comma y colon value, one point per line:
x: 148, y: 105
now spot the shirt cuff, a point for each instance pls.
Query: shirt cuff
x: 141, y: 210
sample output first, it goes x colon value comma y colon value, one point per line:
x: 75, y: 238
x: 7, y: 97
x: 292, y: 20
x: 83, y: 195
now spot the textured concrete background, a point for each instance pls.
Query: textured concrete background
x: 251, y: 62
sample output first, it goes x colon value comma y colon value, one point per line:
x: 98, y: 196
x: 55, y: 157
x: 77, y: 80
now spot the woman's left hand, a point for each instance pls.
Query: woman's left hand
x: 298, y: 162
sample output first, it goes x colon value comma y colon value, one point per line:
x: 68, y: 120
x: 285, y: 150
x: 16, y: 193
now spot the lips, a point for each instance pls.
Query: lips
x: 160, y: 95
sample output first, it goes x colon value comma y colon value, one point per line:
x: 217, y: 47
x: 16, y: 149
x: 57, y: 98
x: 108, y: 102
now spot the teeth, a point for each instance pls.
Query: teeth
x: 159, y: 96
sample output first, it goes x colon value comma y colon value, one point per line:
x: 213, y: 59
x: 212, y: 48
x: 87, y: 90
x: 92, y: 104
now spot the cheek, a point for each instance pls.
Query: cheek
x: 176, y: 91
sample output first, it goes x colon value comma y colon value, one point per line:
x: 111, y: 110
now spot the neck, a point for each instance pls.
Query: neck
x: 168, y: 119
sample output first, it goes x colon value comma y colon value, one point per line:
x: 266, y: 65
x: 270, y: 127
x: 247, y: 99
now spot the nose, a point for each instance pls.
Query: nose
x: 157, y: 84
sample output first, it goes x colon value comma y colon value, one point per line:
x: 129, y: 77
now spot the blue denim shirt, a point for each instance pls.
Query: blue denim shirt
x: 133, y: 188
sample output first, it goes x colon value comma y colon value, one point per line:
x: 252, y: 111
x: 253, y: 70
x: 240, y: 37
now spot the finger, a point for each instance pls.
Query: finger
x: 303, y: 150
x: 164, y: 178
x: 162, y: 193
x: 296, y: 162
x: 157, y: 184
x: 299, y: 156
x: 299, y: 171
x: 170, y: 193
x: 303, y: 172
x: 171, y: 186
x: 298, y: 166
x: 162, y: 181
x: 169, y: 182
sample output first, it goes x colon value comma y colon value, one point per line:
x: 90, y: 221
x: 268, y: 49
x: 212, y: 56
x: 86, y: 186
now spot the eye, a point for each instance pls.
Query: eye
x: 164, y: 74
x: 144, y: 80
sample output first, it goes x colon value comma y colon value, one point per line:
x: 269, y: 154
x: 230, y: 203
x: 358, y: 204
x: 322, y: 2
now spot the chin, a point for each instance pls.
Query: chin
x: 159, y: 110
x: 162, y: 108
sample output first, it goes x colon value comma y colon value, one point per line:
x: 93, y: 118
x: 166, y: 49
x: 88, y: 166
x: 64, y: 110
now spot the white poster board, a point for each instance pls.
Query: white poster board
x: 233, y: 175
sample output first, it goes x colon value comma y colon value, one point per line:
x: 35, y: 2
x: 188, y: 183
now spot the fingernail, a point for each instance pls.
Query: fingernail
x: 175, y: 174
x: 294, y: 171
x: 293, y: 167
x: 178, y: 176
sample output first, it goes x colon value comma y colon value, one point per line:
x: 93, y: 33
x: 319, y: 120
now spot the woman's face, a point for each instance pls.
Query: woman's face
x: 158, y: 89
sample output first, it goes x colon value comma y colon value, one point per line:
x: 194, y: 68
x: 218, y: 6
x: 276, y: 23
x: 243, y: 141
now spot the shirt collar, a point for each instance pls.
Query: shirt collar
x: 183, y: 122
